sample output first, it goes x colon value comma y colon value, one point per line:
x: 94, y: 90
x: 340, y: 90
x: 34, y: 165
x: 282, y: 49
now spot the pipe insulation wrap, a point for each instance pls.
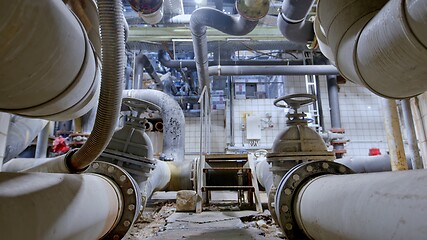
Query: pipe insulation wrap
x: 388, y: 52
x: 59, y: 77
x: 113, y: 50
x: 69, y: 206
x: 204, y: 17
x: 388, y: 205
x: 379, y: 44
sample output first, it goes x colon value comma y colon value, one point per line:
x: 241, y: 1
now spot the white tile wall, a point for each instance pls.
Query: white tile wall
x: 361, y: 117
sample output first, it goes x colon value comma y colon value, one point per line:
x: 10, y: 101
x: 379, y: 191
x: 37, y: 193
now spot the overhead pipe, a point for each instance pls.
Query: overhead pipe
x: 362, y: 34
x: 59, y: 72
x: 151, y: 11
x: 292, y: 21
x: 388, y: 205
x: 22, y: 132
x: 142, y: 62
x: 411, y: 137
x: 166, y: 61
x: 203, y: 17
x: 394, y: 136
x: 112, y: 40
x: 273, y: 70
x: 102, y: 203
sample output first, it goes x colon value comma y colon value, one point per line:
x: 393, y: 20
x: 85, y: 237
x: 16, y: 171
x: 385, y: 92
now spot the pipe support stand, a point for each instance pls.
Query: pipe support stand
x: 132, y: 200
x: 289, y: 188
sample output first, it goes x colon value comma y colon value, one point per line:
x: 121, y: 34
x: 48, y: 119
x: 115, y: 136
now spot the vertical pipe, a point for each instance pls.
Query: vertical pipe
x: 334, y: 103
x: 408, y: 122
x: 231, y: 97
x: 394, y: 136
x: 42, y: 142
x: 319, y: 103
x: 420, y: 129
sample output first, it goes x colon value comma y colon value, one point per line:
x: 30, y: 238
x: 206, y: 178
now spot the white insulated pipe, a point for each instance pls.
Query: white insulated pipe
x: 48, y: 68
x: 57, y: 206
x: 379, y: 44
x: 411, y: 137
x: 394, y: 136
x: 389, y: 205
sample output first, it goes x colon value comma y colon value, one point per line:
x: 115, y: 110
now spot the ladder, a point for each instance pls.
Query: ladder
x: 311, y: 88
x: 230, y: 172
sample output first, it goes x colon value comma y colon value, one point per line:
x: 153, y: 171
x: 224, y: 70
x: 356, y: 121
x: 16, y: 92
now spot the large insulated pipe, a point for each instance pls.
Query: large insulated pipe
x: 361, y: 34
x: 113, y: 50
x: 272, y: 70
x: 54, y: 62
x: 411, y: 137
x: 203, y: 17
x: 369, y: 164
x: 22, y: 131
x: 142, y: 62
x: 394, y: 136
x: 292, y: 21
x: 102, y: 203
x: 389, y: 205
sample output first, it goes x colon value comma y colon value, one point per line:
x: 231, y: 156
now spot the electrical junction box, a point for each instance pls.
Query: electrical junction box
x: 253, y: 127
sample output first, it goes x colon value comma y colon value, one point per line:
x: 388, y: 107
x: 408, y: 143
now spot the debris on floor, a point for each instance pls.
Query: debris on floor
x: 161, y: 221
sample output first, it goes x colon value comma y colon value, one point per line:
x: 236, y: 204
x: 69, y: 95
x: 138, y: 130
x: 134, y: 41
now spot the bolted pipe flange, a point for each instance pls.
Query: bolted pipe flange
x: 130, y: 193
x: 288, y: 190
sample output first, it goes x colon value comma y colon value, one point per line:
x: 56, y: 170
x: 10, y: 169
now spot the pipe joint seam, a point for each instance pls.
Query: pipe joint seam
x: 289, y: 20
x: 131, y: 196
x: 289, y: 189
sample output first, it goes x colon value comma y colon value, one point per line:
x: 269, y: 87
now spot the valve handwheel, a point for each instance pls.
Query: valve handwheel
x: 295, y: 101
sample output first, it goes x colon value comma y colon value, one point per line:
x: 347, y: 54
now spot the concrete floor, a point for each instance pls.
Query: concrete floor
x: 161, y: 222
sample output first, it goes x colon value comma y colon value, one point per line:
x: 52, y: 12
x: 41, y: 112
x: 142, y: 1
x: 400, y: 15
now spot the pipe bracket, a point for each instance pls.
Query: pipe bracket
x: 288, y: 190
x: 130, y: 193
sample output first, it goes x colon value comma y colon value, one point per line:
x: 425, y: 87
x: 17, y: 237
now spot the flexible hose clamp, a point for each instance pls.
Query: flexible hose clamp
x: 288, y: 190
x: 130, y: 193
